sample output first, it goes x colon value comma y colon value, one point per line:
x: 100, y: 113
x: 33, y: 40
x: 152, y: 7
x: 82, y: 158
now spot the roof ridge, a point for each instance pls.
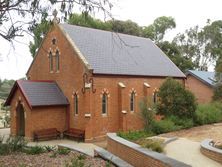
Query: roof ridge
x: 107, y: 31
x: 49, y: 81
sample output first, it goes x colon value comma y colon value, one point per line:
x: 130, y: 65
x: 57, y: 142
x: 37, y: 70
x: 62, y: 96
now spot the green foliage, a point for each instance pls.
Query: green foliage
x: 4, y: 149
x: 108, y: 164
x: 134, y: 135
x: 175, y: 100
x: 16, y: 143
x: 63, y: 151
x: 5, y: 119
x: 202, y: 45
x: 126, y: 27
x: 33, y: 150
x: 39, y: 31
x: 50, y: 148
x: 157, y: 30
x: 1, y: 138
x: 153, y: 144
x: 183, y: 123
x: 5, y: 88
x: 208, y: 113
x: 217, y: 96
x: 86, y: 20
x: 12, y: 144
x: 147, y: 114
x: 171, y: 49
x: 164, y: 126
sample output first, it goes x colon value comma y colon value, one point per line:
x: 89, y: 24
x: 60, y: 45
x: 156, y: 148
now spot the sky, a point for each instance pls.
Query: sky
x: 15, y: 58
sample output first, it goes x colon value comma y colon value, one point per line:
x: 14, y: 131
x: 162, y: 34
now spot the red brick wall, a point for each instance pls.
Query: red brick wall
x: 37, y: 118
x: 14, y: 103
x: 113, y: 122
x: 202, y: 92
x: 137, y: 156
x: 69, y: 77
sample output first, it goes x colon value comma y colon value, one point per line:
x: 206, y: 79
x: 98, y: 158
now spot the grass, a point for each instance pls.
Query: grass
x: 153, y: 144
x: 33, y: 150
x: 134, y: 135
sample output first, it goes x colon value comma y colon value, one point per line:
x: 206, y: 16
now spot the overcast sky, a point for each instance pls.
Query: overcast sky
x: 14, y: 62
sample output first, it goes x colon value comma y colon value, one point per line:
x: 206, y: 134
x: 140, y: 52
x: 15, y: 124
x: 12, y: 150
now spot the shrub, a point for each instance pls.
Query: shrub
x: 183, y: 123
x: 154, y: 145
x: 163, y: 126
x: 174, y: 99
x: 208, y: 113
x: 16, y: 143
x: 1, y: 138
x: 34, y: 150
x: 63, y: 151
x: 147, y: 114
x: 134, y: 135
x: 4, y: 149
x: 49, y: 148
x: 217, y: 96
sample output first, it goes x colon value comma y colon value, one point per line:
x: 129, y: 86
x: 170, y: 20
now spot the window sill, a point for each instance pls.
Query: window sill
x: 104, y: 115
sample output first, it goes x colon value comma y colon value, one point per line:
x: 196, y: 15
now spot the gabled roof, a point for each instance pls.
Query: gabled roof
x: 204, y: 76
x: 120, y: 54
x: 39, y: 93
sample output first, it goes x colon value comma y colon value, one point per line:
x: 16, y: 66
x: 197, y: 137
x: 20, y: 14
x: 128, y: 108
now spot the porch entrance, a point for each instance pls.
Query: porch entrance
x: 20, y: 120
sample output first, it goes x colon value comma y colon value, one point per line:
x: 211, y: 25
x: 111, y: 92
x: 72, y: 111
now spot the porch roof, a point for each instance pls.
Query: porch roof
x: 39, y: 93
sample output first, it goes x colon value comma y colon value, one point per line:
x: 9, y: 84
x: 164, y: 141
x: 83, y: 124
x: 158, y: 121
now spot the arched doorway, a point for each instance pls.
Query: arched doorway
x: 20, y: 120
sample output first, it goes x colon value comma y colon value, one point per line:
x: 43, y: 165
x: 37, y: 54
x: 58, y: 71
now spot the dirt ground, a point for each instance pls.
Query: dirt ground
x: 47, y: 160
x: 199, y: 133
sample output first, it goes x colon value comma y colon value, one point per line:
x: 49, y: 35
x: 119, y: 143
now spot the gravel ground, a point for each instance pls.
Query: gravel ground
x: 44, y: 160
x: 199, y: 133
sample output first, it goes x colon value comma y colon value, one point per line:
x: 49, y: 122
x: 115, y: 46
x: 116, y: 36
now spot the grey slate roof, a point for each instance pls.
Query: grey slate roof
x: 120, y: 54
x: 39, y: 93
x: 204, y: 76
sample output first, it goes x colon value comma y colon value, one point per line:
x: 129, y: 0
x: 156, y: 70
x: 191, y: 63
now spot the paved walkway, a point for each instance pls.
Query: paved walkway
x: 87, y: 148
x: 188, y: 152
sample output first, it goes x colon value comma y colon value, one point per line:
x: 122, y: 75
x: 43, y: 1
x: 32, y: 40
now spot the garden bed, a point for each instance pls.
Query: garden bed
x: 19, y: 159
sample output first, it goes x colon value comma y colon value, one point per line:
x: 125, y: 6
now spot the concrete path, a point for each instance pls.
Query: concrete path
x: 86, y: 148
x: 5, y: 132
x: 188, y: 152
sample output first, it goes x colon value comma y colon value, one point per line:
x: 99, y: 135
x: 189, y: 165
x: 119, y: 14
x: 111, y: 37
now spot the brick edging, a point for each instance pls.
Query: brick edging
x: 211, y: 152
x: 138, y: 156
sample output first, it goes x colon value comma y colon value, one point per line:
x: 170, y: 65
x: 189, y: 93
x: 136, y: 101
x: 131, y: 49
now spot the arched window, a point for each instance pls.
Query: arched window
x: 155, y: 98
x: 132, y: 101
x: 57, y: 60
x: 76, y: 107
x: 104, y: 103
x: 50, y: 61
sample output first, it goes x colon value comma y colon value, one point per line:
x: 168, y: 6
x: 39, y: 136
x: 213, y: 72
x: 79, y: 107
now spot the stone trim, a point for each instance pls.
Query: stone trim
x: 138, y: 156
x: 211, y: 152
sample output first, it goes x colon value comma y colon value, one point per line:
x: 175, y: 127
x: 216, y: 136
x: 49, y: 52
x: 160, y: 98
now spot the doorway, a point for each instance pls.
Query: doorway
x: 20, y: 120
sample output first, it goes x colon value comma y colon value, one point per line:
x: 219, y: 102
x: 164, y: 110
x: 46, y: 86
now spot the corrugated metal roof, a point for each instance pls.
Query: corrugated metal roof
x: 121, y: 54
x: 204, y: 76
x: 39, y: 93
